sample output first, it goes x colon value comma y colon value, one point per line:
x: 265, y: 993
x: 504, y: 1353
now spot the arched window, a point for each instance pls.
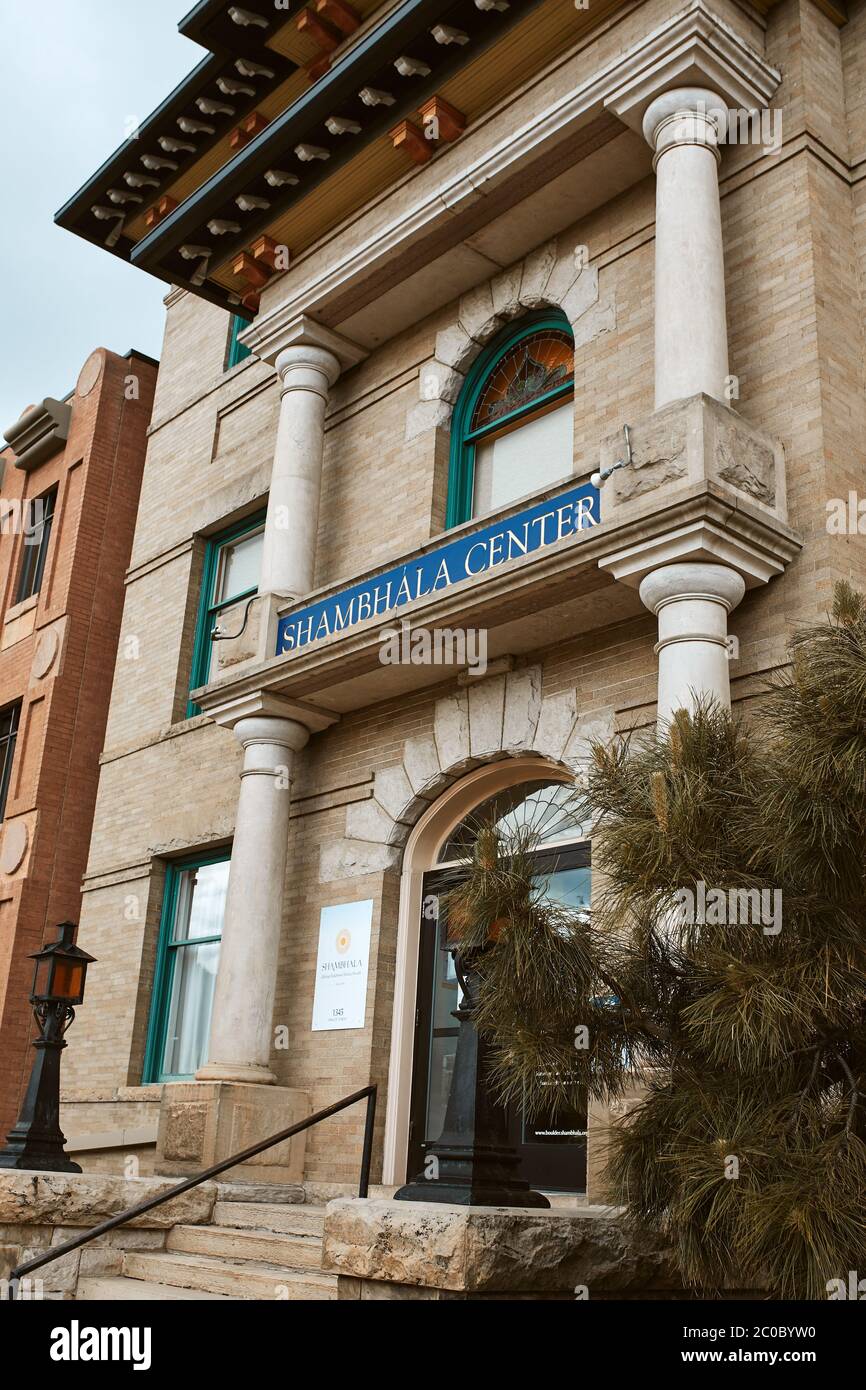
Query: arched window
x: 512, y: 430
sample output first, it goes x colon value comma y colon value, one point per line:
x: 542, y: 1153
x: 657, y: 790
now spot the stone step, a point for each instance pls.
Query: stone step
x: 279, y: 1193
x: 117, y: 1289
x: 295, y: 1221
x: 265, y: 1247
x: 235, y: 1279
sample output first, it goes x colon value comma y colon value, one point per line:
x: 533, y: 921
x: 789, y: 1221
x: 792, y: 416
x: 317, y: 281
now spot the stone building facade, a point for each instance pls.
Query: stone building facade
x: 679, y: 191
x: 70, y: 483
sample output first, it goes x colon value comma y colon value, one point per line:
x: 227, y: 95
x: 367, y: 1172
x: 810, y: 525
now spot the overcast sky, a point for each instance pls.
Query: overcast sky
x: 74, y: 74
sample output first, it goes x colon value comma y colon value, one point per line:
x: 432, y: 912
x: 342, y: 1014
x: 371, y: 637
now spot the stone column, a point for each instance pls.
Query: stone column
x: 240, y: 1038
x: 692, y: 603
x: 684, y: 127
x: 307, y: 374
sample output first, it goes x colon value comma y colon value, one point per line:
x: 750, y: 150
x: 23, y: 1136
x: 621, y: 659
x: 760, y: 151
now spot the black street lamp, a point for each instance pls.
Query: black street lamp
x: 36, y: 1141
x: 475, y: 1164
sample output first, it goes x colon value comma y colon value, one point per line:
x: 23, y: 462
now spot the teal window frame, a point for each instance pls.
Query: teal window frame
x: 461, y: 467
x: 237, y: 351
x: 166, y: 956
x: 208, y: 610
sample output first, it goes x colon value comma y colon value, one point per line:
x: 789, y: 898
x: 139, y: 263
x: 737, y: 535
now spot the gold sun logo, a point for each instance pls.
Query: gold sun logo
x: 344, y: 941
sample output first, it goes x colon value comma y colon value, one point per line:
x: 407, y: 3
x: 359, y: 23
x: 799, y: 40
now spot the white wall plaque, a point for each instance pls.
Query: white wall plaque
x: 341, y: 968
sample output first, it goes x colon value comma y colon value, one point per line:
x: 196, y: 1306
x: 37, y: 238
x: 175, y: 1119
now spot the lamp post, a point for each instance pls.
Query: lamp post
x: 36, y: 1141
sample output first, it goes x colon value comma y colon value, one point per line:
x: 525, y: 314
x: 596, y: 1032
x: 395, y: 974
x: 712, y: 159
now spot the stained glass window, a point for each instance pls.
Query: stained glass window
x: 524, y: 376
x: 513, y: 426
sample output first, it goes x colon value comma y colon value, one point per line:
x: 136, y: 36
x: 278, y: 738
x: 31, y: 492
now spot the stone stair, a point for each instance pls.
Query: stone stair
x: 250, y: 1250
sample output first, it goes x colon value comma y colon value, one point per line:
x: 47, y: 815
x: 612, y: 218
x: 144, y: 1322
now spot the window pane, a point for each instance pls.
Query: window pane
x: 201, y: 902
x: 524, y: 460
x: 239, y: 566
x: 189, y: 1011
x: 8, y: 736
x: 37, y: 536
x: 567, y: 887
x: 443, y: 1051
x: 544, y: 808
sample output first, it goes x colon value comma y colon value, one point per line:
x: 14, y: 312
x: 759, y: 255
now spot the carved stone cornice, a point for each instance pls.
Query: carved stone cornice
x: 41, y: 432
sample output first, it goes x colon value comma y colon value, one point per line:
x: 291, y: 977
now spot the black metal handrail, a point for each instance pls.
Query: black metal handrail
x: 141, y: 1207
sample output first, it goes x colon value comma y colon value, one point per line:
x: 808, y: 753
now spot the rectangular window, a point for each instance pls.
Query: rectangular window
x: 237, y: 350
x: 37, y: 536
x: 187, y: 960
x: 231, y: 575
x: 8, y: 735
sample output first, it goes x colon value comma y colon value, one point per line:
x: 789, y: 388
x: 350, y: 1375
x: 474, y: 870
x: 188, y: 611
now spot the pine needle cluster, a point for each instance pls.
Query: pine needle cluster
x: 747, y: 1037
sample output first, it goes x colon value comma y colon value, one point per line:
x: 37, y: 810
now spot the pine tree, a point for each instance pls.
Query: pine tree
x: 744, y: 1019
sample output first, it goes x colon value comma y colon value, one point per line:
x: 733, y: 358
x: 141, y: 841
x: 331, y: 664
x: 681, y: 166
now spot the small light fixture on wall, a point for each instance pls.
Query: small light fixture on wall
x: 597, y: 479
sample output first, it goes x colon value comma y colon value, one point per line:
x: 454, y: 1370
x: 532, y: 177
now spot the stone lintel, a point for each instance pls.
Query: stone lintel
x: 693, y: 519
x: 39, y: 433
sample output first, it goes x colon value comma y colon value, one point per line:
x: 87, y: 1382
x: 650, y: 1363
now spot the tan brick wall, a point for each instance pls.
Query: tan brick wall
x: 795, y: 241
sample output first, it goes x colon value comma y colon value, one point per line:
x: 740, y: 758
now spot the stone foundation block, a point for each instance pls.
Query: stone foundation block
x: 203, y: 1122
x: 489, y: 1251
x: 85, y: 1199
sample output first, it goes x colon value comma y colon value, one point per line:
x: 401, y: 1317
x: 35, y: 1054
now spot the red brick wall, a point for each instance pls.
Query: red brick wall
x: 52, y: 790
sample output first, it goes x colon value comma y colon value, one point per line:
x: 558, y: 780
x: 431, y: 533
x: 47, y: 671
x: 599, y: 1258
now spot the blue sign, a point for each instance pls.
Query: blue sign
x: 454, y: 563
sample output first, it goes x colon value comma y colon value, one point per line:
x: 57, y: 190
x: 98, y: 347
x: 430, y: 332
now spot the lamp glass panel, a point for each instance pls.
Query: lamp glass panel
x: 42, y: 977
x: 68, y: 978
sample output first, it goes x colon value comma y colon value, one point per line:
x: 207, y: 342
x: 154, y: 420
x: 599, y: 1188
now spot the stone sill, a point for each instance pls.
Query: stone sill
x: 144, y: 1135
x: 17, y: 610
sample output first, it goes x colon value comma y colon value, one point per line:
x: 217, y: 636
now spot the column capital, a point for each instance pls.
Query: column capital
x: 271, y: 731
x: 269, y: 337
x: 261, y: 707
x: 685, y: 116
x: 698, y: 51
x: 671, y: 583
x: 307, y: 368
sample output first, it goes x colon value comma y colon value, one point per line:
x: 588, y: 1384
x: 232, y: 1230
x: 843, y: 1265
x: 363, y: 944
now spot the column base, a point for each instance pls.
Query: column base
x: 203, y: 1122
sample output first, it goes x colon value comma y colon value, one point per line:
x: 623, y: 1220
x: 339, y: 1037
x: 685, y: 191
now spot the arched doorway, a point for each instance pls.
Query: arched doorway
x: 553, y: 1153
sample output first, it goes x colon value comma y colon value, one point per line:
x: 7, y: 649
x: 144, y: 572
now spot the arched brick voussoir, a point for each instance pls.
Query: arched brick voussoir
x: 504, y: 716
x: 553, y: 276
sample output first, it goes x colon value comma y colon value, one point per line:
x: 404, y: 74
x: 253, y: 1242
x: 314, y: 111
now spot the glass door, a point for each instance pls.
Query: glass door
x: 552, y: 1149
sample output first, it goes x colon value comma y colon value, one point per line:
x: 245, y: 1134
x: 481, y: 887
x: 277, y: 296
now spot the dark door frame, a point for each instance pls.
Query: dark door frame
x: 545, y: 1164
